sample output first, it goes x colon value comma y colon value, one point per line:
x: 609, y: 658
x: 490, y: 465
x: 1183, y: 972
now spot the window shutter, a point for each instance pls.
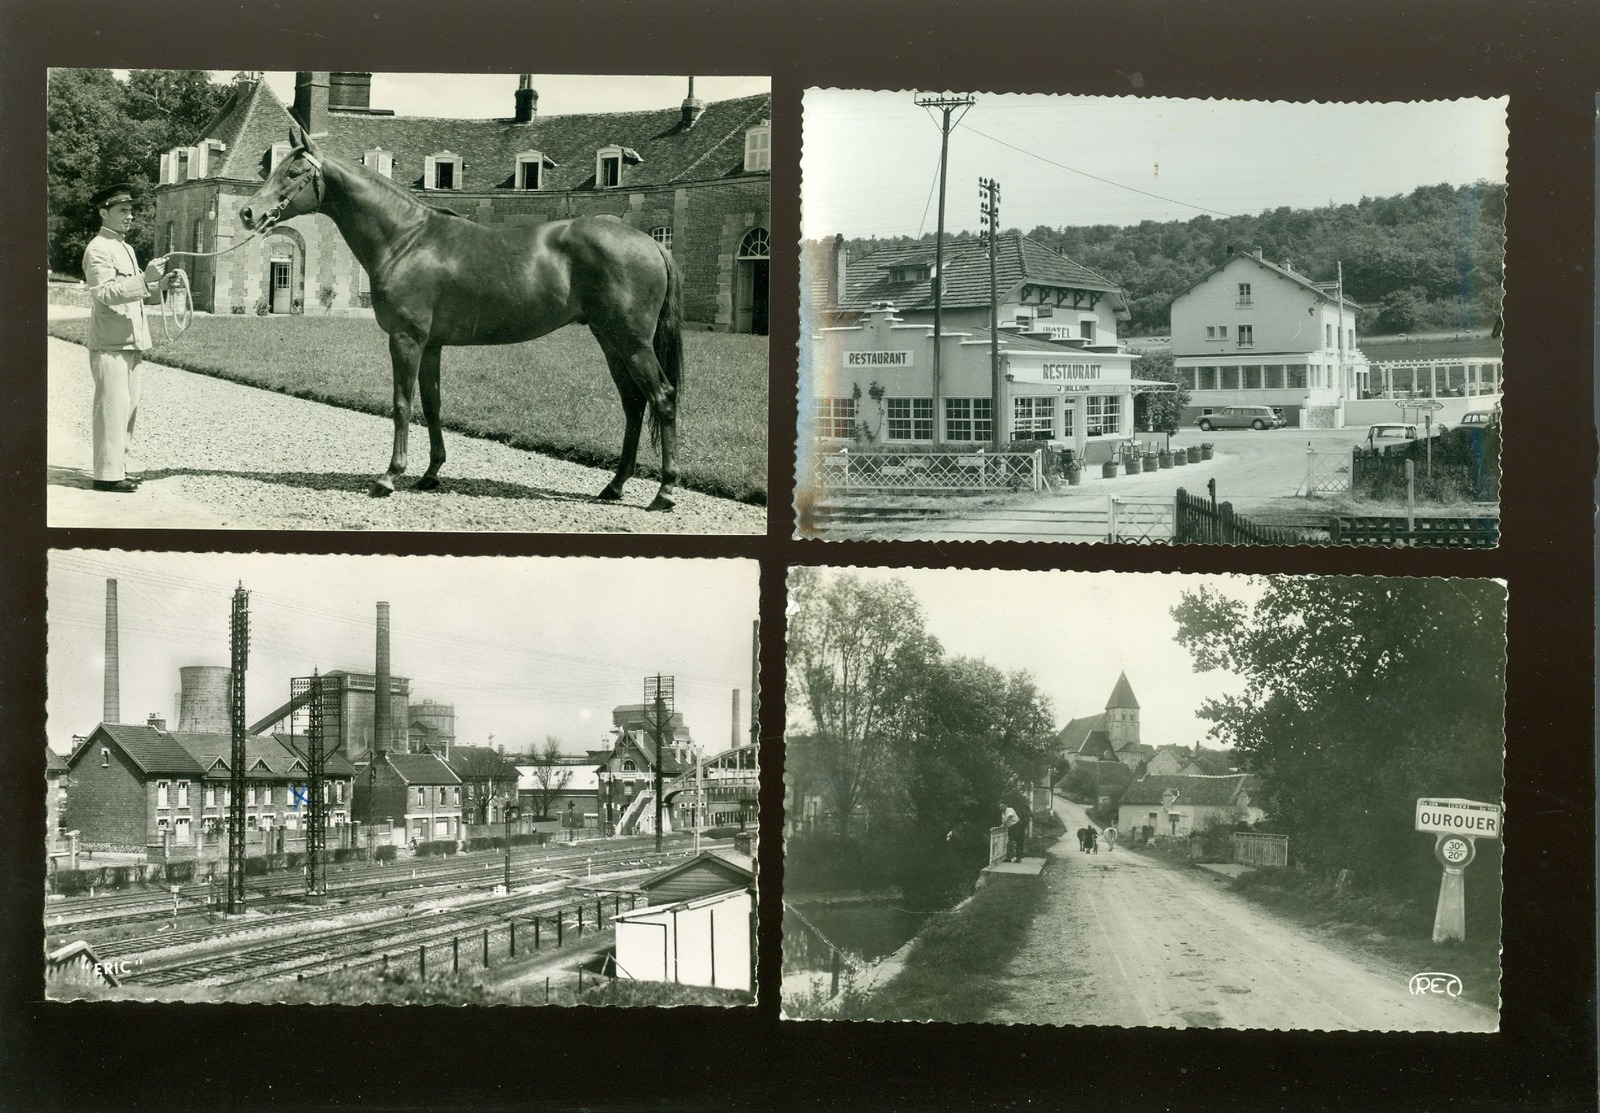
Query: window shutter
x: 166, y: 167
x: 429, y: 173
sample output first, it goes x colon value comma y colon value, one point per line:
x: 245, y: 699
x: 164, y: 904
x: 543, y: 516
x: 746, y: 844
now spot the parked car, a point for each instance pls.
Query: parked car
x: 1391, y: 432
x: 1237, y: 418
x: 1478, y: 419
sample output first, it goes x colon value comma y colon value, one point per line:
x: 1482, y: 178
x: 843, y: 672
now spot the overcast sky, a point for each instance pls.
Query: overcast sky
x: 521, y: 647
x: 481, y: 96
x: 871, y: 159
x: 1075, y: 632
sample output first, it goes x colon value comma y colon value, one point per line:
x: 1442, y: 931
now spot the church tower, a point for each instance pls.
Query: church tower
x: 1122, y: 715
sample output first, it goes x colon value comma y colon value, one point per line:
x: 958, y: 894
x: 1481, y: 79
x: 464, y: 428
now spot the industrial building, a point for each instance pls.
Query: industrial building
x: 695, y: 176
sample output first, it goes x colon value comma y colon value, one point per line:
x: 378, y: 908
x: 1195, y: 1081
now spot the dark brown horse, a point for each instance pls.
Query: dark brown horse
x: 439, y: 279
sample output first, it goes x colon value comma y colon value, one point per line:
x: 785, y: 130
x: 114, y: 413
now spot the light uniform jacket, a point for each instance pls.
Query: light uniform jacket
x: 116, y: 284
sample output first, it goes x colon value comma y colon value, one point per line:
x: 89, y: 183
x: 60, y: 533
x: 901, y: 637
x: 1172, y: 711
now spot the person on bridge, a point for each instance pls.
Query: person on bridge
x: 1009, y: 820
x: 119, y: 335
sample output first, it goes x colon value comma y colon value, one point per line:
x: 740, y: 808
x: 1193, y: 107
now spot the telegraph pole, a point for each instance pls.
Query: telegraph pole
x: 989, y: 211
x: 239, y: 656
x: 946, y: 104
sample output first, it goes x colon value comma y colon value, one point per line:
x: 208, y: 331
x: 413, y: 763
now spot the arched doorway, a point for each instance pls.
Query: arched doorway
x: 750, y: 283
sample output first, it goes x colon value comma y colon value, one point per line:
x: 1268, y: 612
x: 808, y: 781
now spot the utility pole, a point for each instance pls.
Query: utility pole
x: 1344, y: 389
x: 658, y: 696
x: 989, y: 210
x: 239, y: 658
x: 946, y: 105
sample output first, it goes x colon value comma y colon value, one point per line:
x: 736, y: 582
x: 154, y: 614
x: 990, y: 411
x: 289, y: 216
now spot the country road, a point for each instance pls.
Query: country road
x: 215, y: 454
x: 1127, y: 941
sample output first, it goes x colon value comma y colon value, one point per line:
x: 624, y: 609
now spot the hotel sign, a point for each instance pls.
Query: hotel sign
x: 1070, y: 371
x: 879, y: 358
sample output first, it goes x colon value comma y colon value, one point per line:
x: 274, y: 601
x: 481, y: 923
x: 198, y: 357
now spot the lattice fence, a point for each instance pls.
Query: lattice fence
x: 912, y: 471
x: 1141, y: 521
x: 1326, y: 473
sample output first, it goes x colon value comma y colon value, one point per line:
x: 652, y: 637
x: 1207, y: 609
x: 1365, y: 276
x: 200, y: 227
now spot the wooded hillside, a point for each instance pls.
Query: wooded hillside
x: 1431, y: 259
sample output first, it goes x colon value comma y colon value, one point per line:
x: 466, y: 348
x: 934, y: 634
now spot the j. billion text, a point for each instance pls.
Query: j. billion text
x: 1433, y: 984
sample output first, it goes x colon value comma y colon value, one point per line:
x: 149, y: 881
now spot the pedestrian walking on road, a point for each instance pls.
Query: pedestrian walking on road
x: 119, y: 334
x: 1094, y: 840
x: 1009, y: 820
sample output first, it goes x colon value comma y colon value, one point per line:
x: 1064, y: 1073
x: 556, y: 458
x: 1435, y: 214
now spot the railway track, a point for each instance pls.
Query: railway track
x: 82, y: 914
x: 540, y: 874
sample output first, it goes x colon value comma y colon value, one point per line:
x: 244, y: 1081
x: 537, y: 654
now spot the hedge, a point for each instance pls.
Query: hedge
x: 384, y: 853
x: 435, y: 849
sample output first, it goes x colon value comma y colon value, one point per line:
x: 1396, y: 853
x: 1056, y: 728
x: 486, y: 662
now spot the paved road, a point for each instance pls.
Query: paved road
x: 1129, y: 942
x: 215, y: 454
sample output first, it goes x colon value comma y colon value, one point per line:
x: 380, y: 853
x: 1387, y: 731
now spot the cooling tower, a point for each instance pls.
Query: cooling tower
x: 203, y: 701
x: 111, y: 714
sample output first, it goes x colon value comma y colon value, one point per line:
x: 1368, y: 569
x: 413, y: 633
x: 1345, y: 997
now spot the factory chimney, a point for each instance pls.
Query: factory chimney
x: 733, y: 740
x: 382, y: 715
x: 112, y: 713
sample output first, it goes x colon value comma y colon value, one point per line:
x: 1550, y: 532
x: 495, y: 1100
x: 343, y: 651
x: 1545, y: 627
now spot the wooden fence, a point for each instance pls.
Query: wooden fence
x: 1268, y: 851
x: 1198, y: 520
x: 1423, y: 531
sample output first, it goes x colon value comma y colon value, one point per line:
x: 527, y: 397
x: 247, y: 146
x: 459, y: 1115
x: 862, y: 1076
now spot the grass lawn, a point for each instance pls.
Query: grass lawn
x: 554, y: 395
x: 1426, y: 348
x: 953, y: 972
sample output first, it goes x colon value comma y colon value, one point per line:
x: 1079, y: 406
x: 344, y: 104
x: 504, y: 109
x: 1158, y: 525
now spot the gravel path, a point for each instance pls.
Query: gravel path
x: 214, y: 454
x: 1128, y: 942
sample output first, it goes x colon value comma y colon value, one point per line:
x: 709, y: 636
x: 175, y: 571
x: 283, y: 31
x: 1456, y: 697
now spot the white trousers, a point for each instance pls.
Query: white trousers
x: 116, y: 407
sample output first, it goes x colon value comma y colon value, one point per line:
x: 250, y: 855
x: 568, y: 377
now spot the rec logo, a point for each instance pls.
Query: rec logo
x: 1432, y: 984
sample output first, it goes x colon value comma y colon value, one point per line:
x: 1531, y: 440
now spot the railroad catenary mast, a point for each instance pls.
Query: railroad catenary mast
x: 239, y: 657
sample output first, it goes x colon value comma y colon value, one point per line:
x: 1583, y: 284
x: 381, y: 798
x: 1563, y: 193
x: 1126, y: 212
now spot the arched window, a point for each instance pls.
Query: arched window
x: 629, y: 766
x: 662, y: 235
x: 442, y: 171
x: 530, y: 170
x: 755, y: 245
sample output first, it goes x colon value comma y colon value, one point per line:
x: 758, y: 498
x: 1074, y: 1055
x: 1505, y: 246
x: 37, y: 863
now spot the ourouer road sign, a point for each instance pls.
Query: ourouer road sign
x: 1458, y: 816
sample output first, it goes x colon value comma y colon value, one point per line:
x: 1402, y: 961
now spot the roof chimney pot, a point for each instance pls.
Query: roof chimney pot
x: 527, y: 99
x: 693, y: 108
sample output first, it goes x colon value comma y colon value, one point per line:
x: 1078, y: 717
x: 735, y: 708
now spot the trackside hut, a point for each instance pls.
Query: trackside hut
x: 699, y: 928
x: 874, y: 387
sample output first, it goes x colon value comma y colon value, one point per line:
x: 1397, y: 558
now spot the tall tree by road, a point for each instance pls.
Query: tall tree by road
x: 1160, y: 410
x: 1361, y: 695
x: 551, y: 774
x: 853, y: 650
x: 101, y: 130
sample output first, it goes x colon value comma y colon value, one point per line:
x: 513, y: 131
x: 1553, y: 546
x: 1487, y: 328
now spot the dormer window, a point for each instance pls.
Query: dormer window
x: 530, y: 170
x: 207, y: 150
x: 280, y: 152
x: 758, y: 147
x: 608, y: 167
x: 911, y: 273
x: 442, y: 171
x: 379, y: 161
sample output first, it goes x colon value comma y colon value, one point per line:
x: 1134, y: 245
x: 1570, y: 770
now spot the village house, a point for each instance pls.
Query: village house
x: 696, y: 177
x: 1250, y: 331
x: 134, y: 786
x: 414, y: 797
x: 1177, y: 805
x: 626, y: 776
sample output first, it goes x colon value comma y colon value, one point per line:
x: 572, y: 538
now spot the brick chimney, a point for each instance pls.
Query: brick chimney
x: 157, y: 722
x: 382, y: 715
x: 693, y: 108
x: 311, y: 100
x: 111, y: 712
x: 527, y: 99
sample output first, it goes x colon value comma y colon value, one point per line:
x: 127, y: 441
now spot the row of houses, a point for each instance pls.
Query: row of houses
x: 1054, y: 368
x: 129, y: 787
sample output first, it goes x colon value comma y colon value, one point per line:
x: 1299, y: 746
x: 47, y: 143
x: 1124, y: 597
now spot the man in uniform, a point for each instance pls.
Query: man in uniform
x: 119, y: 335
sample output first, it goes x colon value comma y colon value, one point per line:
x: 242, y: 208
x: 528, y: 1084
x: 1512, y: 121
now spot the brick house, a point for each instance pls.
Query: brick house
x: 133, y: 785
x: 696, y: 177
x: 414, y: 796
x: 626, y: 775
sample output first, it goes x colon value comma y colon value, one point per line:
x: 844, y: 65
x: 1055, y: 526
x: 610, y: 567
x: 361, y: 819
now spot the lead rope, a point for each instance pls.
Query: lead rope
x: 177, y: 300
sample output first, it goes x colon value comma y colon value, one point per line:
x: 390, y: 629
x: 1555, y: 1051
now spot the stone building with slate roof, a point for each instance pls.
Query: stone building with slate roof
x: 1179, y: 805
x: 1250, y: 331
x: 1110, y: 735
x: 695, y: 176
x: 134, y: 785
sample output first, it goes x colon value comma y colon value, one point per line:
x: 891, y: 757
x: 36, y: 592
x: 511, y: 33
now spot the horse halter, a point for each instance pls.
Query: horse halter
x: 315, y: 177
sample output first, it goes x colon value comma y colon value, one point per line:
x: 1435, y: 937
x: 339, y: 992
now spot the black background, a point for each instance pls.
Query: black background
x: 1545, y: 56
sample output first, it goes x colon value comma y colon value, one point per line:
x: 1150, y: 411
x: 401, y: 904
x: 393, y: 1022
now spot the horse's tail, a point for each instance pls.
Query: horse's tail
x: 669, y: 340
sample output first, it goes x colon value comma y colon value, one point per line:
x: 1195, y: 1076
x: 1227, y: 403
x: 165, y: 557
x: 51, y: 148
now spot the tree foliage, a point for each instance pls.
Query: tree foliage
x: 551, y: 775
x: 1159, y: 410
x: 854, y: 648
x: 1444, y: 244
x: 1360, y: 696
x: 101, y: 130
x: 485, y: 776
